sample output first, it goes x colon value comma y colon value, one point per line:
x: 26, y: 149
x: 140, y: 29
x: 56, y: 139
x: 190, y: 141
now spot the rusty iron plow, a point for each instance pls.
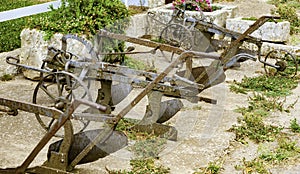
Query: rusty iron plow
x: 66, y: 92
x: 75, y: 148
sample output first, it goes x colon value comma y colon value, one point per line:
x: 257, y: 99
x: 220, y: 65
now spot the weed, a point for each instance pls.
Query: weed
x: 134, y: 64
x: 250, y: 18
x: 253, y: 166
x: 269, y: 85
x: 137, y: 9
x: 295, y: 127
x: 6, y: 77
x: 252, y: 127
x: 212, y: 168
x: 287, y: 10
x: 143, y: 166
x: 286, y: 150
x: 148, y: 148
x: 267, y: 104
x: 125, y: 126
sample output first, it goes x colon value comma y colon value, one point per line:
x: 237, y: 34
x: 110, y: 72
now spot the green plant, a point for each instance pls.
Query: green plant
x: 288, y: 11
x: 252, y: 127
x: 212, y: 168
x: 269, y: 85
x: 81, y: 17
x: 251, y: 123
x: 250, y: 18
x: 259, y: 103
x: 253, y: 166
x: 148, y: 148
x: 295, y: 127
x: 286, y: 149
x: 143, y: 166
x: 10, y: 34
x: 13, y: 4
x: 6, y: 77
x: 125, y: 126
x: 134, y: 64
x: 87, y: 18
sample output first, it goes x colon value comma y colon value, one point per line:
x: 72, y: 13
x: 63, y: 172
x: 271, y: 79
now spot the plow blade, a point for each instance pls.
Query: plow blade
x: 115, y: 142
x: 168, y: 109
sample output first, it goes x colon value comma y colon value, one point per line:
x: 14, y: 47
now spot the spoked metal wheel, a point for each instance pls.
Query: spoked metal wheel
x: 281, y: 62
x: 177, y: 35
x: 58, y: 90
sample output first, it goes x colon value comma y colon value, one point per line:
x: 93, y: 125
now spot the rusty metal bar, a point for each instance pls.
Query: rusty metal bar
x: 147, y: 43
x: 228, y: 52
x: 30, y: 107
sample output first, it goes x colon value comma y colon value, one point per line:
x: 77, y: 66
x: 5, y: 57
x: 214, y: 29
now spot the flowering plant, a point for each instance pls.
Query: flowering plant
x: 193, y: 5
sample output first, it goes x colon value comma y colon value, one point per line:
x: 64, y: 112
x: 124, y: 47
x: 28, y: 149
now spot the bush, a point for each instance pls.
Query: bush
x: 80, y: 17
x: 86, y: 18
x: 10, y: 34
x: 288, y: 11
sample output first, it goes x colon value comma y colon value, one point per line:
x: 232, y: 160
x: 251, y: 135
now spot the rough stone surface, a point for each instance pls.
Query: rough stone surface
x: 6, y: 68
x: 270, y: 31
x: 267, y: 47
x: 34, y: 49
x: 137, y: 26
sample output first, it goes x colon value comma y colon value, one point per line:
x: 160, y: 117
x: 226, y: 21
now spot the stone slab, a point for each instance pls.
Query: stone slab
x: 270, y: 31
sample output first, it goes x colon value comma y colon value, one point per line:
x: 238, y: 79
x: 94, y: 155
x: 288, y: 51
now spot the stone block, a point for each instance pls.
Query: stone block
x: 137, y: 25
x: 34, y: 49
x: 6, y: 68
x: 270, y: 31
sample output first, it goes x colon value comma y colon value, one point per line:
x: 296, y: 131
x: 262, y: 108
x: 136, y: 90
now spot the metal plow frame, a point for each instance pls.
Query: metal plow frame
x: 186, y: 84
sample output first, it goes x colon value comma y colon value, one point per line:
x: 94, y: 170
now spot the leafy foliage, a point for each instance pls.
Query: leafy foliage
x: 253, y: 166
x: 262, y: 105
x: 295, y: 126
x: 212, y: 168
x: 288, y: 10
x: 80, y: 17
x: 6, y: 77
x: 252, y: 127
x: 74, y: 16
x: 269, y: 85
x: 143, y: 166
x: 286, y: 150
